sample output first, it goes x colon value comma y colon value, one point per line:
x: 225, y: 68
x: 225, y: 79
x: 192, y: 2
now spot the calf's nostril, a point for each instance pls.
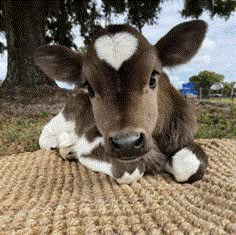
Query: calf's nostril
x: 114, y: 144
x: 139, y: 143
x: 127, y: 141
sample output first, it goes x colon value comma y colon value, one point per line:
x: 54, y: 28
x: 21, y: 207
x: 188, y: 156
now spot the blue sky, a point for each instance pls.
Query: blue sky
x: 218, y: 51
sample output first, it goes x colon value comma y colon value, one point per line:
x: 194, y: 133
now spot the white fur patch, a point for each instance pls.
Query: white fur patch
x: 84, y: 147
x: 130, y: 178
x: 184, y: 165
x: 67, y: 139
x: 96, y: 165
x: 58, y: 132
x: 116, y: 49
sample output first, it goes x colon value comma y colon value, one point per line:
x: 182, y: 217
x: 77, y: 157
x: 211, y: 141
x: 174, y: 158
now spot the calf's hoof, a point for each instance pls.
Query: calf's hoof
x: 68, y: 154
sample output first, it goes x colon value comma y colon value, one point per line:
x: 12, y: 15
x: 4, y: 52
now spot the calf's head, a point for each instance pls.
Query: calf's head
x: 122, y: 72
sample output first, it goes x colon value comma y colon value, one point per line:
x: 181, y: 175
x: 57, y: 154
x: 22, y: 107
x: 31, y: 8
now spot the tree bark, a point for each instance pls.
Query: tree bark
x: 25, y: 31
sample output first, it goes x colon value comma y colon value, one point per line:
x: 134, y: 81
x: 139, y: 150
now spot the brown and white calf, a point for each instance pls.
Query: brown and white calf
x: 127, y: 120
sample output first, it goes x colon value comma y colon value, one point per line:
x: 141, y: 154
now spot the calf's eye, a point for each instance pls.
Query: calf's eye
x: 153, y: 80
x: 89, y: 88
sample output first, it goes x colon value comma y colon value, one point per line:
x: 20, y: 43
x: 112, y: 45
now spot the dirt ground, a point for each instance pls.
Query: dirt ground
x: 32, y: 102
x: 23, y: 112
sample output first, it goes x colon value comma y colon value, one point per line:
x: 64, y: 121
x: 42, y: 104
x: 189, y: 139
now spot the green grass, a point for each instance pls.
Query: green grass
x: 216, y: 122
x: 217, y: 128
x: 19, y: 135
x: 222, y: 100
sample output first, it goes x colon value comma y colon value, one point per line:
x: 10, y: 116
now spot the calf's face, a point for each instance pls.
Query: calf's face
x: 123, y: 92
x: 121, y: 72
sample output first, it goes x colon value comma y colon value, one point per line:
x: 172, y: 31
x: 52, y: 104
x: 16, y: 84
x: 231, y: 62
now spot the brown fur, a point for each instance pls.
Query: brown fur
x: 176, y: 124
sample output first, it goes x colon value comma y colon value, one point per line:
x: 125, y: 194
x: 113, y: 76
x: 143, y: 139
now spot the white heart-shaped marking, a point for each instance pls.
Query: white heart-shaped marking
x: 116, y: 49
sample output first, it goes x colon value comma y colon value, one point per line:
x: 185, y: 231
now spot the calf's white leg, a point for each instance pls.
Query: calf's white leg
x: 188, y: 164
x: 92, y: 155
x: 58, y: 133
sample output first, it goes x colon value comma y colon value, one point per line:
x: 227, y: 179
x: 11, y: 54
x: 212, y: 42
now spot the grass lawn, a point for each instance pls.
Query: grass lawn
x: 223, y: 100
x: 20, y: 135
x: 217, y: 121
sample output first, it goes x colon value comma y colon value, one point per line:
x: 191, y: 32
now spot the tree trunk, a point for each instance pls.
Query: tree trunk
x: 25, y: 31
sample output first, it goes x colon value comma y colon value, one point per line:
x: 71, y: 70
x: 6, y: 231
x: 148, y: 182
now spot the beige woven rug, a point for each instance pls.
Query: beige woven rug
x: 42, y: 194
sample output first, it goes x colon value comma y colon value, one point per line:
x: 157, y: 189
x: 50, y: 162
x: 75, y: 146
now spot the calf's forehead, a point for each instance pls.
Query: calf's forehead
x: 116, y: 49
x: 119, y: 54
x: 116, y: 44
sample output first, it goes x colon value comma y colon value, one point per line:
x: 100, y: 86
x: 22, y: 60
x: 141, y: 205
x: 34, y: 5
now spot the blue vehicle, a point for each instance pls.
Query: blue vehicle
x: 189, y: 89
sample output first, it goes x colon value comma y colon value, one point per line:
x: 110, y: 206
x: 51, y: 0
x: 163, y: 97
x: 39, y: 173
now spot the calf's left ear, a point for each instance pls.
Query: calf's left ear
x: 181, y: 43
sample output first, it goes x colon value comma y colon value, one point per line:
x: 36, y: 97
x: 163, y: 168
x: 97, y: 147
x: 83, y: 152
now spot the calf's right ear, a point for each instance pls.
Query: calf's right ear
x: 59, y: 63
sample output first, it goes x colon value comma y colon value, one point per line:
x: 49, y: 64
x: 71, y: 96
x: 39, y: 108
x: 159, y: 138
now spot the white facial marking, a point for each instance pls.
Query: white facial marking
x: 184, y: 165
x: 84, y: 147
x: 96, y: 165
x: 116, y: 49
x: 58, y: 132
x: 130, y: 178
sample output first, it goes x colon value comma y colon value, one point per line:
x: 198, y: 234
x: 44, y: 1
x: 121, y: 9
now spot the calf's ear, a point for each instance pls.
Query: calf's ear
x: 181, y: 43
x: 59, y: 63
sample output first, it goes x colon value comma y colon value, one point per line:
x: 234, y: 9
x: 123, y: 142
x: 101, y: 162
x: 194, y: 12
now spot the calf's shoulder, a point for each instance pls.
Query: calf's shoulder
x: 79, y: 109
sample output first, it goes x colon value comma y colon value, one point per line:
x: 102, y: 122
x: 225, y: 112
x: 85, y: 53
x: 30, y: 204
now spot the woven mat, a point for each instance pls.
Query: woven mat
x: 42, y: 194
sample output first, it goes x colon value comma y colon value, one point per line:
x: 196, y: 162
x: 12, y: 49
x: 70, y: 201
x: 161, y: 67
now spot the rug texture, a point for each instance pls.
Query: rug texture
x: 42, y: 194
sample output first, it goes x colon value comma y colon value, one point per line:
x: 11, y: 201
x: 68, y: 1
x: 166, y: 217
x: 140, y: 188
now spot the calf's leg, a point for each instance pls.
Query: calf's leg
x: 121, y: 172
x: 58, y: 133
x: 188, y: 164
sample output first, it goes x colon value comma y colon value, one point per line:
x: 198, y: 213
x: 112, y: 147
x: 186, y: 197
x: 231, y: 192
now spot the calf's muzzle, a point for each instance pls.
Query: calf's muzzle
x: 128, y: 145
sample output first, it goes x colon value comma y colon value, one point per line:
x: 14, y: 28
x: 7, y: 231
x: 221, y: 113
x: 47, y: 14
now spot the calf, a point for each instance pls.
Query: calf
x: 127, y: 119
